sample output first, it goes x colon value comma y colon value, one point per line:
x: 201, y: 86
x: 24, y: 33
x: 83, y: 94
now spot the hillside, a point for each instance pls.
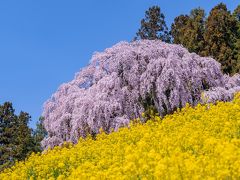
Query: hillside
x: 193, y: 143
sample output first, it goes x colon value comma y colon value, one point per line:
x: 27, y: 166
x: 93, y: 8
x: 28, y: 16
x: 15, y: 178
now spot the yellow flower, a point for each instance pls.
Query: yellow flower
x: 193, y: 143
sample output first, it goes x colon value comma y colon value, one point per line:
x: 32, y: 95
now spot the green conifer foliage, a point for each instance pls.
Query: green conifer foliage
x: 16, y: 141
x: 188, y: 30
x: 220, y: 37
x: 153, y: 26
x: 236, y: 15
x: 39, y: 134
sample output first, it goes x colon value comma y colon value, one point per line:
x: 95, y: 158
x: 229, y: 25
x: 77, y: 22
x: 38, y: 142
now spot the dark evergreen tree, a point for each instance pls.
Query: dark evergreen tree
x: 236, y: 15
x: 39, y: 134
x: 220, y: 37
x: 178, y: 29
x: 23, y: 141
x: 189, y: 30
x: 16, y: 141
x: 153, y: 26
x: 7, y: 121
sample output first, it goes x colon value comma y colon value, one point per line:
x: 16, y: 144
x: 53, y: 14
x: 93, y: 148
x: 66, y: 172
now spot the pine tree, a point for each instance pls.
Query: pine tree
x: 236, y: 15
x: 23, y: 141
x: 220, y: 37
x: 178, y: 29
x: 15, y: 136
x: 7, y: 121
x: 189, y: 30
x: 153, y: 26
x: 39, y: 134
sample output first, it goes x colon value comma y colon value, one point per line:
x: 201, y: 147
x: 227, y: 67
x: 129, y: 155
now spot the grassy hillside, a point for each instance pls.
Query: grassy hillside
x: 200, y: 142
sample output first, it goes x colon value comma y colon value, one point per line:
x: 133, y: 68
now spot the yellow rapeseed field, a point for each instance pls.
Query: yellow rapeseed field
x: 193, y: 143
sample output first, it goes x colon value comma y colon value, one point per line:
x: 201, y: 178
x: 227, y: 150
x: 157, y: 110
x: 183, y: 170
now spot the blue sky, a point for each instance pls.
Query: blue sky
x: 44, y: 43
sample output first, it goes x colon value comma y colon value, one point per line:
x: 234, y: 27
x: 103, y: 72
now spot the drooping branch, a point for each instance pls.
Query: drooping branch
x: 124, y: 81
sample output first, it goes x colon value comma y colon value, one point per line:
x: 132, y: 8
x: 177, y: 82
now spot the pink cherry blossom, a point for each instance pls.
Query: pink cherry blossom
x: 122, y: 81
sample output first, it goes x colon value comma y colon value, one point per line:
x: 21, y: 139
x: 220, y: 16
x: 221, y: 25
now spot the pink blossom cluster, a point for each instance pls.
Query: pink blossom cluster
x: 120, y: 83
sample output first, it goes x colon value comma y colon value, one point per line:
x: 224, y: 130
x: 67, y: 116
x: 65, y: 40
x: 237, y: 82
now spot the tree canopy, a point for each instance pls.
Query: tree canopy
x: 15, y: 136
x: 124, y: 81
x: 220, y: 37
x: 188, y: 30
x: 153, y: 26
x: 17, y: 140
x: 216, y: 36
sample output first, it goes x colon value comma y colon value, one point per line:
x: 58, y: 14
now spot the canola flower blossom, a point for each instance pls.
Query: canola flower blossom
x: 193, y: 143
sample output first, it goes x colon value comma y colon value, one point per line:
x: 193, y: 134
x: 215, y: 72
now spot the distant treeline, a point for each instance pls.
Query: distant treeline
x: 217, y: 35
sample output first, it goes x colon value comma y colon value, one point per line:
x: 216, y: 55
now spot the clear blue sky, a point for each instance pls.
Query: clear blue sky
x: 44, y: 43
